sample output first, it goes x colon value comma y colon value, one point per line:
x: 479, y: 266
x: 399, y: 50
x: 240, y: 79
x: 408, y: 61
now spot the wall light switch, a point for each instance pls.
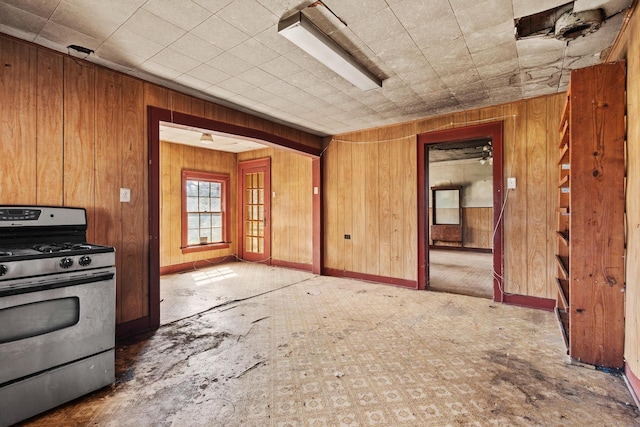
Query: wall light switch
x: 511, y: 183
x: 125, y: 195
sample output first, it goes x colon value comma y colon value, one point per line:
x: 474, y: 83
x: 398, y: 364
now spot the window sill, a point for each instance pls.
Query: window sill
x: 202, y: 248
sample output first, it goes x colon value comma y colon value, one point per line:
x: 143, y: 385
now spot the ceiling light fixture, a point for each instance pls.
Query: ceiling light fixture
x: 304, y: 34
x: 206, y: 138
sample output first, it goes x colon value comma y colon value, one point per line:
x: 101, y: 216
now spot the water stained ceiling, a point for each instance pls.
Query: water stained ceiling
x: 434, y: 56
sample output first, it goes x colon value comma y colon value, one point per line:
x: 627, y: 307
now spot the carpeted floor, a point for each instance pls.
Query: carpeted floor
x: 320, y: 351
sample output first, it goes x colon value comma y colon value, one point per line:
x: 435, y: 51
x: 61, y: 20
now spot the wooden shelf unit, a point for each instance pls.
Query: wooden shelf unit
x: 590, y: 233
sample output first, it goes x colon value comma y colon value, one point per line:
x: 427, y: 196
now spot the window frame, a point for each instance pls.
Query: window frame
x: 224, y: 180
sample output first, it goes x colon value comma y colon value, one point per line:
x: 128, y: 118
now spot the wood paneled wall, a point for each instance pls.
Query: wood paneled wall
x: 291, y: 206
x: 173, y: 159
x: 73, y: 133
x: 370, y: 188
x: 628, y: 48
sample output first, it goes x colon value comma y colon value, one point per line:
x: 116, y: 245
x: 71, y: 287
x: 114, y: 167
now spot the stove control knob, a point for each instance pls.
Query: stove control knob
x: 66, y: 262
x: 84, y: 261
x: 3, y: 270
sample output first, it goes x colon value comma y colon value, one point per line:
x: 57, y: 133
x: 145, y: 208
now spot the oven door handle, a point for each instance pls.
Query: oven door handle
x: 55, y: 284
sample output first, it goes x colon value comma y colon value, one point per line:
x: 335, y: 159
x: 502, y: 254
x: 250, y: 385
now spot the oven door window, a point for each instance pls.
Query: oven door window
x: 38, y: 318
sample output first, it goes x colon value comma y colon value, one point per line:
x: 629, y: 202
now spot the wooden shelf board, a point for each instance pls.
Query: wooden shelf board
x: 563, y: 210
x: 564, y: 154
x: 563, y: 181
x: 563, y: 264
x: 564, y: 237
x: 563, y: 291
x: 564, y: 136
x: 564, y: 118
x: 563, y: 320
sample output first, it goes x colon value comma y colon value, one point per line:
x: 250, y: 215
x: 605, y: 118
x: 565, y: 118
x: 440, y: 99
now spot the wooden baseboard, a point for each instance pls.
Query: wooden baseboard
x: 178, y: 268
x: 292, y: 265
x: 371, y: 278
x: 530, y: 302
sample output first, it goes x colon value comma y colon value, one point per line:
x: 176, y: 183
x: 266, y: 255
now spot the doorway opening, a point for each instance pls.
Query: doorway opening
x: 214, y: 129
x: 460, y: 198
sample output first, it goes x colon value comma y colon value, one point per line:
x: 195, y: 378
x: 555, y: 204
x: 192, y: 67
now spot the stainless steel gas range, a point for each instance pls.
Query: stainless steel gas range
x: 57, y: 310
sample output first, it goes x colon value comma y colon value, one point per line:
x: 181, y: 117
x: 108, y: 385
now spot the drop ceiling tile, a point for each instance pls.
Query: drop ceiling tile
x: 610, y: 7
x: 442, y: 30
x: 527, y: 7
x: 220, y: 33
x: 41, y: 8
x: 270, y: 37
x: 219, y: 92
x: 20, y: 21
x: 484, y: 15
x: 235, y: 85
x: 497, y: 35
x: 196, y: 48
x: 257, y: 77
x: 508, y: 67
x: 192, y: 82
x: 537, y: 51
x: 213, y: 5
x: 229, y: 64
x: 64, y: 36
x: 281, y: 88
x: 450, y: 57
x: 280, y: 67
x: 183, y: 13
x: 146, y: 24
x: 125, y: 47
x: 95, y: 18
x: 380, y: 26
x: 208, y: 74
x: 401, y: 54
x: 248, y: 16
x: 253, y: 52
x: 174, y: 60
x: 159, y: 70
x: 354, y: 11
x: 495, y: 54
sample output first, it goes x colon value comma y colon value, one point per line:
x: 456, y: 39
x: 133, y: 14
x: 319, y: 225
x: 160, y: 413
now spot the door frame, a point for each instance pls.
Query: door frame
x: 494, y: 131
x: 244, y: 167
x: 155, y: 115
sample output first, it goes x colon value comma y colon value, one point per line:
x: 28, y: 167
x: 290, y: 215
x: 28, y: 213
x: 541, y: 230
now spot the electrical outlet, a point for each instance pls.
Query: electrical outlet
x: 347, y: 236
x: 125, y: 195
x: 511, y: 183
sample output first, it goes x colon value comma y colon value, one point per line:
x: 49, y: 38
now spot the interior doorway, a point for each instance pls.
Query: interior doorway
x: 481, y: 144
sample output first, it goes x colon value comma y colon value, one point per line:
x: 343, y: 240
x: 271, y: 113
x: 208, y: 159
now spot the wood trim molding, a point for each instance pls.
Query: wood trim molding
x: 493, y: 130
x: 633, y: 383
x: 529, y: 302
x: 179, y: 268
x: 371, y: 278
x: 292, y: 265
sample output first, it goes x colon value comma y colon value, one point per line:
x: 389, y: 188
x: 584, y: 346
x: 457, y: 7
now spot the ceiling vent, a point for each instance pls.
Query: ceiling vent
x: 572, y: 25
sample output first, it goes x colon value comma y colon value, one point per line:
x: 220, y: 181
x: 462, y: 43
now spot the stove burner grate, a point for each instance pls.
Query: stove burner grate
x: 60, y: 247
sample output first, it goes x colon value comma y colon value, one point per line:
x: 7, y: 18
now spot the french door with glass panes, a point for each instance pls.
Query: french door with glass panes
x: 254, y: 179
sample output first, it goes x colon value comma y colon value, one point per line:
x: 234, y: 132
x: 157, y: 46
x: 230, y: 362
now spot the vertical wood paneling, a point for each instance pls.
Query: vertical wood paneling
x: 345, y: 201
x: 79, y: 139
x: 535, y: 190
x: 17, y: 132
x: 359, y: 182
x: 396, y: 231
x: 134, y: 285
x: 330, y: 164
x: 385, y: 222
x: 49, y: 126
x: 372, y: 203
x: 410, y: 202
x: 515, y: 214
x: 108, y: 162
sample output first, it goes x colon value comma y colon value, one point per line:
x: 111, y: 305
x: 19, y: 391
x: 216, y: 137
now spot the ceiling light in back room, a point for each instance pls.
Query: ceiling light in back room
x: 206, y: 138
x: 303, y: 33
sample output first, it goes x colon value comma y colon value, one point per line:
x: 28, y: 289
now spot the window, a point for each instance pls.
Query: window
x: 205, y: 220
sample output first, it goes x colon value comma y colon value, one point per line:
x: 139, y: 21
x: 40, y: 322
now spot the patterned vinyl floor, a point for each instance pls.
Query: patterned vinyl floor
x: 287, y: 348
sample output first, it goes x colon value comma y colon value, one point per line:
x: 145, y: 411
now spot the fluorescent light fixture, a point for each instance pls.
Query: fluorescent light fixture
x: 301, y: 32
